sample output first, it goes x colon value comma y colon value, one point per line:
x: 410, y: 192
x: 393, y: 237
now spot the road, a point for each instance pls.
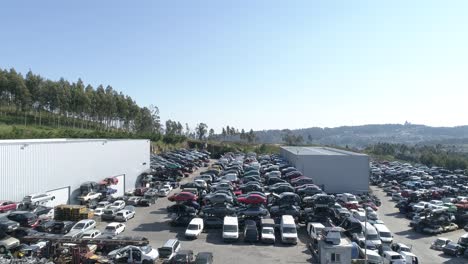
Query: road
x: 403, y: 233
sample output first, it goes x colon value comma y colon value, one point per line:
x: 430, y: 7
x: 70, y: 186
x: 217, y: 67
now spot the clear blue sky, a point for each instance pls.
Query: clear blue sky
x: 255, y: 64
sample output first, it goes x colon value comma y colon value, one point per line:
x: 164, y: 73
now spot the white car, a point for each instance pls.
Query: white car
x: 93, y: 233
x: 194, y: 228
x: 89, y: 196
x: 202, y: 183
x: 167, y: 186
x: 38, y: 198
x: 163, y: 192
x: 145, y: 254
x: 81, y: 227
x: 124, y: 215
x: 99, y: 211
x: 103, y: 205
x: 119, y: 205
x: 114, y: 229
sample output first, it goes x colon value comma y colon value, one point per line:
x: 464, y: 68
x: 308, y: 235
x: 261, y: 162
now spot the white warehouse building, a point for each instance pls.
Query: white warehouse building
x: 334, y: 170
x: 59, y: 166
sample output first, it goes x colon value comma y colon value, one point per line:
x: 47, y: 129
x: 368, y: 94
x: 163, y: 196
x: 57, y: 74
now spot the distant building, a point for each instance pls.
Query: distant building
x: 335, y: 170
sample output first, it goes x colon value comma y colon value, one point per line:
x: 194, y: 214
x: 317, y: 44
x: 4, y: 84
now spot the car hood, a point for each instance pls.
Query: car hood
x: 8, y: 240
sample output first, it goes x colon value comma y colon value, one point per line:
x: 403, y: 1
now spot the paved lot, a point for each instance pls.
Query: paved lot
x: 403, y: 233
x: 152, y: 222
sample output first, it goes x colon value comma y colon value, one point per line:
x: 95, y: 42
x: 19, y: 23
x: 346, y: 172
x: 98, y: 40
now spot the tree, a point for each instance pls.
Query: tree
x: 228, y: 130
x: 251, y: 136
x: 242, y: 134
x: 201, y: 130
x: 211, y: 133
x: 224, y: 133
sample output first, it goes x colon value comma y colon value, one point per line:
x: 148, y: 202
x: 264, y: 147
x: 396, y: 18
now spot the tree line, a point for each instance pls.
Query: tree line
x: 428, y: 155
x: 73, y: 104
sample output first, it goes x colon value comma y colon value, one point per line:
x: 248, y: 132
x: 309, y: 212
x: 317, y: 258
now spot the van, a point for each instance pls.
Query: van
x: 385, y: 234
x: 409, y: 257
x: 169, y: 249
x: 194, y: 228
x: 372, y: 235
x: 314, y: 230
x: 392, y: 257
x: 288, y: 229
x: 230, y: 228
x: 268, y: 231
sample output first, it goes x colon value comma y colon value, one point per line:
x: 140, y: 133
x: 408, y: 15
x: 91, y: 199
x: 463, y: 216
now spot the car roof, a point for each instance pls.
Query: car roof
x: 113, y: 224
x: 170, y: 242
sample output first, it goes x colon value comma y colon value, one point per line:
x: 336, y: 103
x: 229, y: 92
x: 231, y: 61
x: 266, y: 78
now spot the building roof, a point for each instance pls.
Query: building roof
x: 319, y: 151
x: 57, y: 140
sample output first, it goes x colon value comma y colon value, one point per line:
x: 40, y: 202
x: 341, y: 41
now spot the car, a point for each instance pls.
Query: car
x: 392, y: 257
x: 62, y: 227
x: 81, y: 227
x: 252, y: 210
x: 309, y: 190
x: 134, y: 200
x: 38, y: 198
x: 44, y: 213
x: 182, y: 257
x: 93, y: 233
x: 7, y: 225
x: 24, y: 218
x: 89, y: 196
x: 99, y: 211
x: 148, y: 199
x: 219, y: 209
x: 107, y: 191
x: 252, y: 199
x: 250, y: 231
x: 124, y: 215
x: 7, y: 242
x: 285, y: 210
x: 114, y: 229
x: 140, y: 191
x: 134, y: 254
x: 181, y: 209
x: 109, y: 214
x: 282, y: 189
x: 450, y: 227
x: 204, y: 258
x: 163, y: 192
x: 194, y: 228
x: 6, y: 206
x: 118, y: 205
x: 181, y: 220
x: 215, y: 198
x: 453, y: 249
x: 183, y: 196
x: 213, y: 222
x: 103, y: 204
x: 400, y: 247
x: 45, y: 226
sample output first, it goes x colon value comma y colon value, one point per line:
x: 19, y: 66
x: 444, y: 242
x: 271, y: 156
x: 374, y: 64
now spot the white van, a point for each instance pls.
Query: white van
x: 288, y: 229
x: 373, y: 257
x: 372, y: 234
x: 392, y: 257
x: 385, y: 234
x: 194, y: 228
x: 409, y: 257
x: 230, y: 228
x: 314, y: 230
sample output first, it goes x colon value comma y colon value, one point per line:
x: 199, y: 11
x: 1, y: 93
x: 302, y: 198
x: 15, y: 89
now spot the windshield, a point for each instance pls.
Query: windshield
x: 405, y: 249
x: 230, y: 228
x: 267, y: 231
x: 463, y: 239
x: 439, y: 242
x: 192, y: 227
x: 291, y: 230
x: 111, y: 228
x: 165, y: 252
x: 351, y: 199
x: 397, y: 257
x: 372, y: 237
x: 146, y: 249
x: 79, y: 226
x: 385, y: 234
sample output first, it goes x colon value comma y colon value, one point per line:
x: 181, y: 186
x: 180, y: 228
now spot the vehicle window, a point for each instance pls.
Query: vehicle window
x: 289, y: 230
x: 396, y: 257
x: 79, y: 226
x: 110, y: 228
x: 176, y: 244
x: 192, y: 227
x: 385, y: 234
x: 335, y: 257
x: 230, y: 228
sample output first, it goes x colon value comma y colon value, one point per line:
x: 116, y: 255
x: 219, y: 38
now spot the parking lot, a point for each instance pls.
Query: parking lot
x: 403, y: 233
x: 153, y: 223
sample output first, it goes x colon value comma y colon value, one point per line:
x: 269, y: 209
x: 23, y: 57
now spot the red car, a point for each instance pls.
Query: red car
x: 7, y: 206
x: 371, y: 205
x: 140, y: 191
x: 252, y: 199
x: 182, y: 196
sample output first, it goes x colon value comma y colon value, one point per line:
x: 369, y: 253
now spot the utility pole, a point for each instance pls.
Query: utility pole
x: 365, y: 239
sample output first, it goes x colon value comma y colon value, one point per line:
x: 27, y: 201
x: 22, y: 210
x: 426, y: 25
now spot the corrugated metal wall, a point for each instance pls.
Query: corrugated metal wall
x: 33, y: 167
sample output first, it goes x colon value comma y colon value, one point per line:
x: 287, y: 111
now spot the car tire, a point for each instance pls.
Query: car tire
x: 147, y: 261
x: 3, y: 250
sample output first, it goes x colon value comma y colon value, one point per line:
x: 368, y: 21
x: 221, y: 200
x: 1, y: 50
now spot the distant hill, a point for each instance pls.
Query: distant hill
x: 362, y: 136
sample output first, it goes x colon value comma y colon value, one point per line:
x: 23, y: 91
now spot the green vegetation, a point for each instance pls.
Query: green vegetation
x: 219, y: 148
x: 427, y: 155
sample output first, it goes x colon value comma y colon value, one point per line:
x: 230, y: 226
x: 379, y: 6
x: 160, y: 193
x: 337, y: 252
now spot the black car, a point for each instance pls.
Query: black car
x: 251, y: 188
x: 148, y: 199
x: 309, y: 191
x: 253, y: 210
x: 213, y: 222
x: 273, y: 180
x: 287, y: 198
x: 22, y: 232
x: 62, y: 227
x: 181, y: 209
x: 181, y: 220
x: 285, y: 210
x: 182, y: 257
x: 204, y: 258
x: 24, y: 218
x: 219, y: 210
x: 7, y: 225
x: 453, y: 249
x: 45, y: 226
x: 282, y: 189
x: 250, y: 231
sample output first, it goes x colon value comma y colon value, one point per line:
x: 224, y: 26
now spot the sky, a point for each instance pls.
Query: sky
x: 255, y: 64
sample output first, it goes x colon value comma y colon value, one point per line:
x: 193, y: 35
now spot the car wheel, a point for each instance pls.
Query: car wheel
x: 3, y: 250
x: 147, y: 261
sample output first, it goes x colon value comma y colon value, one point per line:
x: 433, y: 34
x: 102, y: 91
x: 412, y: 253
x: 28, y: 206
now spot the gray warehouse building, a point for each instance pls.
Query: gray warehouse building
x: 60, y: 166
x: 335, y: 170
